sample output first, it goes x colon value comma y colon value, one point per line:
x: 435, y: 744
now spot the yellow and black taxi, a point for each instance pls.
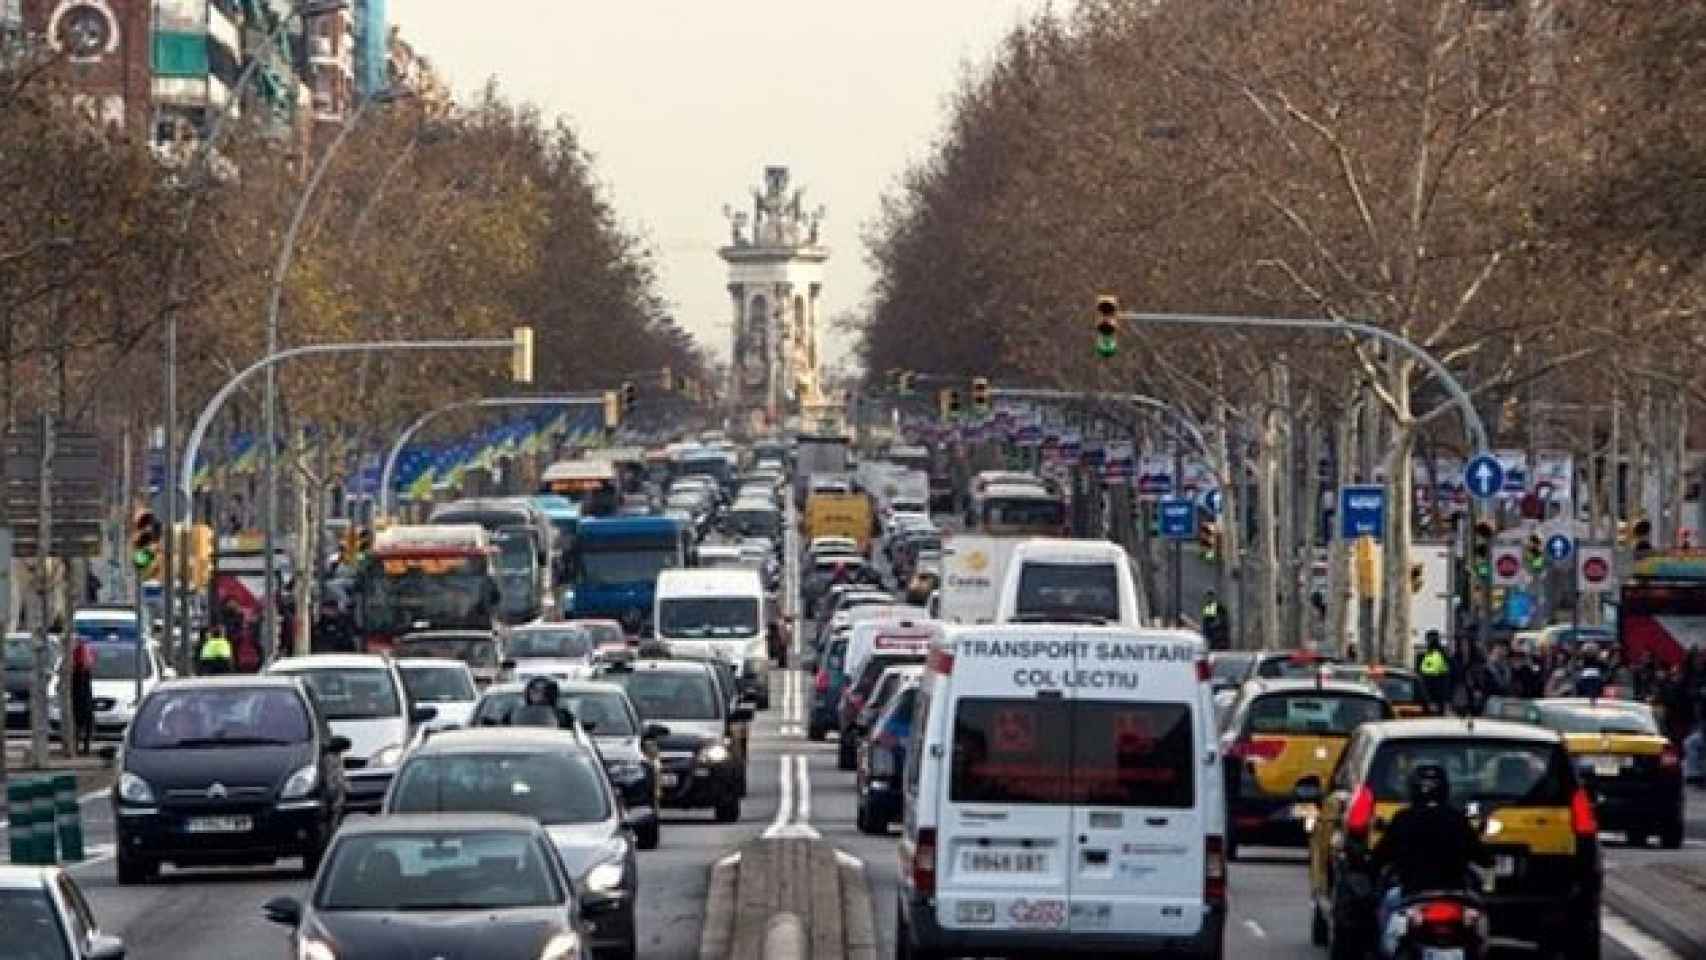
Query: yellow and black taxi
x: 1633, y: 771
x: 1281, y: 732
x: 1401, y: 687
x: 1540, y: 828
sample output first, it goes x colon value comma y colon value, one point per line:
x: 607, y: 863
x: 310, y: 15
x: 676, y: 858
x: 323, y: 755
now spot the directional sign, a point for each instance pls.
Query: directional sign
x: 1483, y: 477
x: 1178, y: 519
x: 1362, y: 512
x: 1507, y: 565
x: 1594, y: 568
x: 1559, y: 547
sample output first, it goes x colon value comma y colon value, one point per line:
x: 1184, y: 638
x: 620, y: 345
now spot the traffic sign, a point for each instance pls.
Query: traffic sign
x: 1559, y: 547
x: 1178, y: 519
x: 1507, y: 565
x: 1594, y: 570
x: 1362, y: 512
x: 1483, y: 476
x: 1212, y: 501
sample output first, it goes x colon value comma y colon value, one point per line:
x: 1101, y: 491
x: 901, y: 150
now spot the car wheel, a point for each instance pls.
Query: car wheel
x: 1585, y: 943
x: 764, y: 700
x: 134, y: 870
x: 1670, y: 837
x: 648, y: 835
x: 1342, y: 943
x: 846, y: 757
x: 728, y: 811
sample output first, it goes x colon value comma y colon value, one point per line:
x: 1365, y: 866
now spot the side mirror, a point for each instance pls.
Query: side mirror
x: 740, y: 715
x: 589, y: 725
x: 103, y: 947
x: 338, y: 744
x: 286, y: 911
x: 424, y: 714
x: 508, y: 663
x: 654, y: 731
x: 1308, y: 790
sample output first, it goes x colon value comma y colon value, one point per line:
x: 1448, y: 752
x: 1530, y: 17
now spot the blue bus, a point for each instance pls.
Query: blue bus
x: 615, y: 562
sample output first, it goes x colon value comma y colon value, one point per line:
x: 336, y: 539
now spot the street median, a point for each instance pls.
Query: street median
x: 788, y: 899
x: 1663, y: 900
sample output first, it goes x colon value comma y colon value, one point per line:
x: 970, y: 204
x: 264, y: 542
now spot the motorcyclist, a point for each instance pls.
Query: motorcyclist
x: 1429, y: 845
x: 539, y: 707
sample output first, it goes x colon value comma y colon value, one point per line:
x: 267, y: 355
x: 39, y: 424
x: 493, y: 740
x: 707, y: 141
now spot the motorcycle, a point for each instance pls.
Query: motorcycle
x: 1445, y: 924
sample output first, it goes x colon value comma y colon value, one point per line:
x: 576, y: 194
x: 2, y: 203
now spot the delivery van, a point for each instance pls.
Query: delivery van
x: 839, y: 515
x: 721, y: 614
x: 1062, y: 793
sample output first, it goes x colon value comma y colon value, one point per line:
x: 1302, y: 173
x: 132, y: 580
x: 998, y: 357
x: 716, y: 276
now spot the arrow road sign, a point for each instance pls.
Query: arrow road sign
x: 1362, y: 512
x: 1178, y: 519
x: 1559, y: 547
x: 1593, y: 568
x: 1483, y: 476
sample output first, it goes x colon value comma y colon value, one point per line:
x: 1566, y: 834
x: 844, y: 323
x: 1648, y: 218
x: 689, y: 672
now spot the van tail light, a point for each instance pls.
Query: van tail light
x: 1214, y: 871
x: 923, y: 865
x: 822, y: 681
x: 1256, y: 750
x: 1583, y: 821
x: 1670, y: 761
x: 1359, y: 817
x: 940, y: 661
x: 1205, y: 673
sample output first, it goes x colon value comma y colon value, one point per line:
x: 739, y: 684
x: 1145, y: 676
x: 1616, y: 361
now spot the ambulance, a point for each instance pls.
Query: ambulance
x: 1062, y: 793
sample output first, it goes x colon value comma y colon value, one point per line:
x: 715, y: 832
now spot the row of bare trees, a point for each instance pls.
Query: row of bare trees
x: 1516, y: 187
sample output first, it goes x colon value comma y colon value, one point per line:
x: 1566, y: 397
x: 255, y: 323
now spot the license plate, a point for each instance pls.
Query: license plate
x: 975, y: 911
x: 1442, y: 953
x: 219, y: 825
x: 669, y: 780
x: 1504, y: 865
x: 1607, y: 766
x: 1003, y: 861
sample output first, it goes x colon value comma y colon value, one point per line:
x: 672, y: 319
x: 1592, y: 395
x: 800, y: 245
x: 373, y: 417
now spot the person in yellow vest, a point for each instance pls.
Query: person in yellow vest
x: 215, y: 655
x: 1434, y: 667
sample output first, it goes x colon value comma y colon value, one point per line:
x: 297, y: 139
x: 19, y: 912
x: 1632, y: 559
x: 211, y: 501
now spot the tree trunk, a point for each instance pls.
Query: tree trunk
x: 1678, y: 451
x: 1231, y: 526
x: 1266, y: 601
x: 1339, y: 612
x: 1400, y: 503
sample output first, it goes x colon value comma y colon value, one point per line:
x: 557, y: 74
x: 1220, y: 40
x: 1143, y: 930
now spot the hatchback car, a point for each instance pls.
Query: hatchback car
x: 228, y: 770
x: 561, y: 651
x: 699, y: 765
x: 44, y: 916
x: 446, y: 685
x: 882, y: 758
x: 364, y: 699
x: 470, y: 885
x: 481, y: 650
x: 554, y: 778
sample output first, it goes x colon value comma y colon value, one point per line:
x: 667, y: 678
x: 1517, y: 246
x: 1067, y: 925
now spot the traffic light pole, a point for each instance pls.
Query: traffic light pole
x: 386, y: 475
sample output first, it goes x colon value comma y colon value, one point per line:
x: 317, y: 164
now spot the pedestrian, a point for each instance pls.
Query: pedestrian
x: 1591, y: 673
x: 1525, y: 674
x: 1434, y: 667
x: 83, y: 692
x: 331, y: 633
x: 1496, y: 677
x: 1213, y: 624
x: 215, y: 656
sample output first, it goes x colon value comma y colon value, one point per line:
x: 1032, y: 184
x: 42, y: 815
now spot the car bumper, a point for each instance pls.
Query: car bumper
x: 692, y: 785
x: 163, y: 833
x: 919, y: 914
x: 609, y: 919
x: 365, y: 789
x: 1650, y: 809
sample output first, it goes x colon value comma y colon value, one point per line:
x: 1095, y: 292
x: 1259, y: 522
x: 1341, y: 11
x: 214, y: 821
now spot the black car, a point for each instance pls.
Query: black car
x: 438, y: 885
x: 699, y: 766
x: 229, y: 770
x: 20, y: 665
x: 554, y: 777
x: 609, y: 720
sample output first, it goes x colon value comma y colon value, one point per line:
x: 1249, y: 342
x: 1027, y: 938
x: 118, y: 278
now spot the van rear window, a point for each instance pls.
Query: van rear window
x: 1078, y: 589
x: 1056, y: 752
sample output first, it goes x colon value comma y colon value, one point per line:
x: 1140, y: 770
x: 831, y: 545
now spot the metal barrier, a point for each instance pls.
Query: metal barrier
x: 45, y: 822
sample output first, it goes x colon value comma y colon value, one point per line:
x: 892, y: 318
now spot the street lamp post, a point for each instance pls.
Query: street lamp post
x: 275, y: 300
x: 389, y: 470
x: 193, y: 446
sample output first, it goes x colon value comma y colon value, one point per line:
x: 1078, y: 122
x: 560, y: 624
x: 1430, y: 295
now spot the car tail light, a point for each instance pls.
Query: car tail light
x: 1205, y: 673
x: 923, y: 865
x: 1360, y: 815
x: 1670, y: 760
x: 1582, y: 818
x: 822, y: 682
x: 1256, y: 750
x: 941, y: 661
x: 1442, y: 913
x: 1214, y: 871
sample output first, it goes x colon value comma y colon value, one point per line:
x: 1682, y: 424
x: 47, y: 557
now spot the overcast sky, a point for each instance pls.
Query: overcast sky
x: 683, y: 103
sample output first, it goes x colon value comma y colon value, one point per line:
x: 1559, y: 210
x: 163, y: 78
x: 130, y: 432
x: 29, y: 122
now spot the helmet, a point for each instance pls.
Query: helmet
x: 540, y: 690
x: 1429, y: 785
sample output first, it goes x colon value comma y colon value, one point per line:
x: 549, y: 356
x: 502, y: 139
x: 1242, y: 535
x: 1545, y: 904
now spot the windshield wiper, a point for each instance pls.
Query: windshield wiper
x: 462, y: 905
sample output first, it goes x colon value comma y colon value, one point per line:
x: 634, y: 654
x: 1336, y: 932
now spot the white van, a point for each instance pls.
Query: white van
x: 721, y: 611
x: 1063, y: 793
x: 1070, y: 581
x: 901, y: 635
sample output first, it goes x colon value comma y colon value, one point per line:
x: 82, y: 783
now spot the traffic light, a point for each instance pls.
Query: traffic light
x: 1481, y: 552
x: 630, y: 397
x: 1107, y: 326
x: 201, y: 556
x: 949, y: 402
x: 145, y: 545
x: 980, y: 394
x: 1643, y: 531
x: 612, y: 409
x: 1534, y: 553
x: 907, y: 377
x: 521, y: 355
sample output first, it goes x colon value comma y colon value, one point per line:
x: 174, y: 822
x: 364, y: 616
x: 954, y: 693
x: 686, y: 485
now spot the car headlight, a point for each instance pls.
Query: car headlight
x: 134, y: 789
x: 386, y: 756
x: 311, y: 949
x: 714, y: 755
x: 301, y: 783
x: 563, y: 946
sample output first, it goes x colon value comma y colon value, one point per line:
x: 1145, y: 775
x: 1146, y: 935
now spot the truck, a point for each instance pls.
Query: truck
x: 838, y: 515
x: 615, y: 563
x: 425, y: 577
x: 817, y: 453
x: 974, y: 568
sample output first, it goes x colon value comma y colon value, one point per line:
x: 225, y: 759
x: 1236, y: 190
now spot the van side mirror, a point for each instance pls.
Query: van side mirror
x: 1308, y: 790
x: 286, y: 911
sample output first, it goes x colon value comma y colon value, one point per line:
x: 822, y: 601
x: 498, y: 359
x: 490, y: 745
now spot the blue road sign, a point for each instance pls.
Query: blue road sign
x: 156, y: 470
x: 1559, y: 547
x: 1362, y: 512
x: 1483, y: 476
x: 1178, y: 519
x: 1212, y: 501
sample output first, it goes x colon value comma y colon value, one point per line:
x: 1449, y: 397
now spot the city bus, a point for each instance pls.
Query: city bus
x: 425, y: 577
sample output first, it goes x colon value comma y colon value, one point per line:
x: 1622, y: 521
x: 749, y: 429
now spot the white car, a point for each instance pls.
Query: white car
x: 43, y: 912
x: 448, y: 685
x: 364, y: 700
x: 561, y: 651
x: 114, y: 685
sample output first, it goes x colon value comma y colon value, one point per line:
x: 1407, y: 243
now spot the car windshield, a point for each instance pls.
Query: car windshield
x: 1314, y: 714
x: 397, y: 593
x: 551, y: 786
x: 211, y: 717
x: 626, y: 566
x: 1074, y: 590
x: 20, y: 653
x: 118, y: 661
x: 603, y: 631
x: 1486, y: 770
x: 437, y: 684
x: 700, y: 617
x: 29, y: 926
x: 475, y: 651
x: 353, y: 693
x: 1621, y: 719
x: 440, y: 871
x: 566, y: 644
x: 605, y: 713
x: 111, y: 631
x: 672, y: 694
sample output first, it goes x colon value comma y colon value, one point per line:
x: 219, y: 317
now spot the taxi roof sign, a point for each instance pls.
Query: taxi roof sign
x: 466, y: 537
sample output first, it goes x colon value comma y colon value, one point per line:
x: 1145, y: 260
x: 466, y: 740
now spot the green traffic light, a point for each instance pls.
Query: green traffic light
x: 1106, y: 346
x: 143, y: 559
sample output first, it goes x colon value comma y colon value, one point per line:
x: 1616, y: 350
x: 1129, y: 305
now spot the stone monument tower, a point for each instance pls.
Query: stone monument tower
x: 775, y: 279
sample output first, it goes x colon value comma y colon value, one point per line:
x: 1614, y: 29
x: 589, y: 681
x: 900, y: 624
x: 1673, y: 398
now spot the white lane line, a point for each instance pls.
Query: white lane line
x: 803, y: 791
x: 1627, y: 936
x: 784, y: 806
x: 795, y: 790
x: 1255, y: 930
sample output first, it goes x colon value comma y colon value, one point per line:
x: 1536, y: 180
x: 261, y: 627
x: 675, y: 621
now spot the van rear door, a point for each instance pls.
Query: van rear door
x: 1004, y: 829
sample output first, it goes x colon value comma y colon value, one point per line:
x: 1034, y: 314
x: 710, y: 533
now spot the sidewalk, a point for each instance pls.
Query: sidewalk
x: 1663, y: 899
